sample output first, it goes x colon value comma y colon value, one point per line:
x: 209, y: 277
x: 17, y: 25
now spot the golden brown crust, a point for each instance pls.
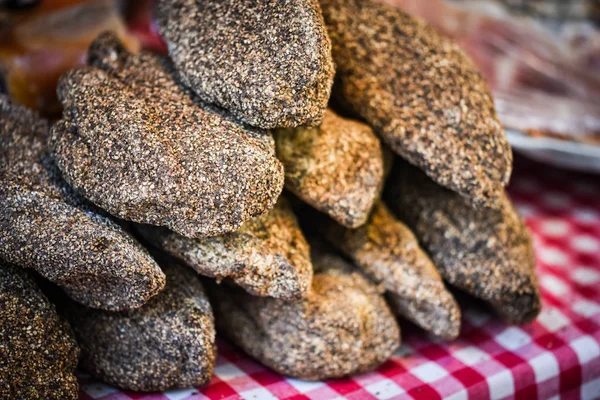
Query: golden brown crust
x: 422, y: 94
x: 337, y: 168
x: 485, y: 252
x: 342, y: 327
x: 268, y: 256
x: 389, y: 254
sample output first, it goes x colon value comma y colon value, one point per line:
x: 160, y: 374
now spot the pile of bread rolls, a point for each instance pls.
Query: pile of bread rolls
x: 294, y: 176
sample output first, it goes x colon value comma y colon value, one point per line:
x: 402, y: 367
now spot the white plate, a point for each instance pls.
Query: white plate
x: 561, y: 153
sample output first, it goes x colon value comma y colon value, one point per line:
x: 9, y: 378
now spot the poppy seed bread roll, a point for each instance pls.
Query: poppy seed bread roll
x: 137, y: 143
x: 46, y: 226
x: 342, y: 327
x: 337, y: 167
x: 268, y: 256
x: 486, y: 252
x: 38, y: 353
x: 268, y: 62
x: 421, y: 94
x: 389, y: 254
x: 167, y: 343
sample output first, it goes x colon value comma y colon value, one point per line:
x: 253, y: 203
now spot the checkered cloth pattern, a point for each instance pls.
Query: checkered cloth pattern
x: 557, y: 356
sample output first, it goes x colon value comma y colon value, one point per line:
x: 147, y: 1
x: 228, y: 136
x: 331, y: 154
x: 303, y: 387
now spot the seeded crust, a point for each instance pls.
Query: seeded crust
x: 389, y: 254
x: 38, y: 352
x: 168, y: 343
x: 268, y: 256
x: 138, y: 144
x: 485, y: 252
x: 45, y: 226
x: 337, y: 168
x: 422, y: 94
x: 268, y: 62
x: 342, y: 327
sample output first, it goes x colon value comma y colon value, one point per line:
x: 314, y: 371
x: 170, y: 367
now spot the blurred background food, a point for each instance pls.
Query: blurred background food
x: 39, y: 40
x: 540, y: 57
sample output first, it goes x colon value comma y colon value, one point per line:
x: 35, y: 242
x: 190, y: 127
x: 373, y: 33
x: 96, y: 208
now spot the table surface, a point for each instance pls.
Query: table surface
x: 558, y: 354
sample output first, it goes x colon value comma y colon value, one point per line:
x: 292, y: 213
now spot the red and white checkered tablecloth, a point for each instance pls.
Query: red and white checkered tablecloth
x: 556, y: 356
